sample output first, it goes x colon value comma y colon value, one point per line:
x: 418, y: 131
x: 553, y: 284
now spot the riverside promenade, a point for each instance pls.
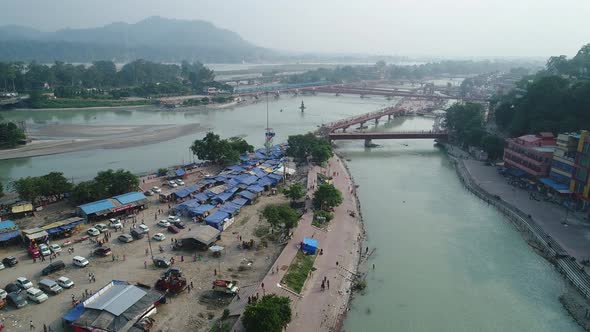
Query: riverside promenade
x: 314, y: 309
x: 573, y: 233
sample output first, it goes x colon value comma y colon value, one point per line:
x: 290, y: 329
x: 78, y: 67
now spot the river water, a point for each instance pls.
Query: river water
x: 444, y: 261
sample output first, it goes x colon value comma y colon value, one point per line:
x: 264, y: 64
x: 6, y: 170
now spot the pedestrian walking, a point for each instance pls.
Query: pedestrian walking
x: 192, y: 283
x: 336, y: 263
x: 189, y: 289
x: 31, y: 325
x: 146, y: 251
x: 44, y: 327
x: 214, y: 272
x: 182, y: 258
x: 145, y: 264
x: 328, y: 283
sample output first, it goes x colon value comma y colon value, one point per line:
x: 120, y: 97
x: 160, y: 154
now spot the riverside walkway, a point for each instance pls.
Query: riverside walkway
x: 314, y: 309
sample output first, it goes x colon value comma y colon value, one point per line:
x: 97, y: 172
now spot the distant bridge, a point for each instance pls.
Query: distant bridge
x: 368, y: 136
x: 382, y: 92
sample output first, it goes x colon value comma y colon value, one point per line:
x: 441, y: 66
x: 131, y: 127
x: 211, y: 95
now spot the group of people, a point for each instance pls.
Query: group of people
x: 325, y: 283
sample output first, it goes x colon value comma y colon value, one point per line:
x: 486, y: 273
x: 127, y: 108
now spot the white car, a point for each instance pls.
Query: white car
x: 65, y: 282
x: 173, y: 218
x: 159, y: 237
x: 3, y: 294
x: 172, y: 184
x: 55, y: 248
x: 93, y: 231
x: 44, y: 250
x: 36, y: 295
x: 157, y: 189
x: 80, y: 261
x: 163, y: 223
x: 115, y: 223
x: 179, y: 182
x: 143, y: 228
x: 101, y: 227
x: 23, y: 283
x: 1, y: 266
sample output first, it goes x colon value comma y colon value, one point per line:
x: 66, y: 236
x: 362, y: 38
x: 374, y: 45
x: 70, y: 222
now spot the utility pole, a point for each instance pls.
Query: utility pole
x: 269, y: 133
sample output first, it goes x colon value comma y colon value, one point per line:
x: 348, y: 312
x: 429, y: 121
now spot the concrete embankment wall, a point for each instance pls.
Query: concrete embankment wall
x: 546, y: 246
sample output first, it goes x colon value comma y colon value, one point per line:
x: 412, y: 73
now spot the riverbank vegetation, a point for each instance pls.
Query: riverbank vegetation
x: 34, y: 188
x: 298, y: 271
x: 207, y: 100
x: 302, y: 147
x: 106, y: 184
x: 466, y: 124
x: 281, y: 215
x: 11, y: 135
x: 326, y: 197
x: 556, y: 99
x: 272, y: 313
x: 220, y: 151
x: 95, y: 84
x: 294, y: 192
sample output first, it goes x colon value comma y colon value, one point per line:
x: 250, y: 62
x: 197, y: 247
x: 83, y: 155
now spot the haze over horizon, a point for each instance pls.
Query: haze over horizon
x: 437, y: 28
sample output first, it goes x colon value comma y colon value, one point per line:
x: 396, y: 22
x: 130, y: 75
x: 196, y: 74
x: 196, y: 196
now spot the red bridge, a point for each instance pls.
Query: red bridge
x: 361, y: 119
x: 367, y: 136
x: 382, y: 92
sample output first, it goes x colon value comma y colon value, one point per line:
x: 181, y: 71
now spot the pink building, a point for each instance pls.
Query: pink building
x: 530, y: 153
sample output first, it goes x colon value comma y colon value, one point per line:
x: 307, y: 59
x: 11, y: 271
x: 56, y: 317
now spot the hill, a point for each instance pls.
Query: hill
x: 154, y: 38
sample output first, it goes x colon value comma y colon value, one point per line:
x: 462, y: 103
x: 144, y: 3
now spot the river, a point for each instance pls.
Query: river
x: 444, y: 260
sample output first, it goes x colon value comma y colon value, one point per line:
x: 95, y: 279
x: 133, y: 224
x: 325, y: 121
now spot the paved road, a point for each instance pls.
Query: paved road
x: 314, y: 309
x: 574, y: 236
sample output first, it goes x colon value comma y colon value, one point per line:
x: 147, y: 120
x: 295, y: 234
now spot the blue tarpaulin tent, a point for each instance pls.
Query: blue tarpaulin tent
x: 224, y: 196
x: 201, y: 210
x: 231, y: 208
x: 8, y: 230
x: 131, y: 197
x: 559, y: 187
x: 256, y: 188
x: 309, y: 245
x: 201, y: 197
x: 97, y: 206
x: 180, y: 172
x: 266, y: 181
x: 216, y: 219
x: 259, y: 172
x: 187, y: 205
x: 240, y: 201
x: 248, y: 195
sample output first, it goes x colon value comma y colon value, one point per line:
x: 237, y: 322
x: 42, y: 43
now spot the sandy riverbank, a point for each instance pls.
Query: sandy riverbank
x: 70, y: 138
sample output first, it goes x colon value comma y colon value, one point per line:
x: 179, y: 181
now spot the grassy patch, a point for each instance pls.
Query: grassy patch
x: 262, y: 231
x: 298, y: 271
x: 321, y: 219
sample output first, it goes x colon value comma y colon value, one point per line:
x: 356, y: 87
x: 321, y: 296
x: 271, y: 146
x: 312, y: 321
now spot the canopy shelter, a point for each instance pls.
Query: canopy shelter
x: 224, y: 196
x: 240, y: 201
x: 202, y: 210
x: 59, y: 228
x: 216, y: 219
x: 201, y: 197
x: 8, y: 231
x: 231, y: 208
x: 309, y: 245
x: 258, y: 172
x: 34, y: 235
x: 256, y: 188
x: 180, y: 172
x: 186, y: 191
x: 250, y: 196
x: 561, y: 188
x: 200, y: 237
x: 116, y: 204
x: 187, y: 206
x: 97, y: 208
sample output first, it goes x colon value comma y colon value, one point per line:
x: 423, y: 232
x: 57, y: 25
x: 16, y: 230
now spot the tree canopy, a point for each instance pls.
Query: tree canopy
x: 295, y: 192
x: 10, y: 135
x: 280, y: 214
x: 106, y: 184
x: 221, y: 151
x: 272, y: 313
x: 1, y: 189
x: 326, y: 197
x: 303, y: 146
x: 31, y: 188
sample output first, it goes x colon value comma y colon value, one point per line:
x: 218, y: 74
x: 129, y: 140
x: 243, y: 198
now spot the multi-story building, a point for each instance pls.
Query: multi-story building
x: 580, y: 184
x: 531, y: 154
x: 562, y: 166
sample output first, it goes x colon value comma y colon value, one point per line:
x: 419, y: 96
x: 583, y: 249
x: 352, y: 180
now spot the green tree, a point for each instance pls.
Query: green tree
x: 295, y: 192
x: 111, y: 183
x: 303, y: 146
x: 10, y: 135
x: 280, y: 214
x: 326, y: 197
x: 85, y: 192
x: 221, y: 151
x: 466, y: 122
x: 272, y: 313
x: 1, y: 190
x: 240, y: 145
x: 56, y: 184
x: 493, y: 145
x: 27, y: 188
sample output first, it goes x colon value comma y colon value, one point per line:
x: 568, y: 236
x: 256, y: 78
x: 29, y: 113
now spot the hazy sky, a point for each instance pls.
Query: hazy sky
x: 404, y: 27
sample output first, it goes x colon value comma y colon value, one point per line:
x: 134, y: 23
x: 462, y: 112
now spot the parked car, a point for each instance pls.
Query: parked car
x: 179, y: 224
x: 157, y: 190
x: 179, y: 182
x: 80, y: 261
x: 172, y: 184
x: 115, y: 223
x: 55, y: 248
x: 137, y: 234
x: 93, y: 231
x: 143, y: 228
x: 163, y: 223
x: 148, y: 193
x: 17, y: 300
x: 23, y: 283
x: 125, y: 238
x: 173, y: 271
x: 173, y: 229
x: 2, y: 267
x: 161, y: 262
x: 3, y: 294
x: 173, y: 218
x: 10, y: 261
x: 44, y: 250
x: 103, y: 251
x: 50, y: 287
x: 159, y: 237
x: 12, y: 288
x: 101, y: 227
x: 52, y: 267
x: 65, y: 282
x: 36, y: 295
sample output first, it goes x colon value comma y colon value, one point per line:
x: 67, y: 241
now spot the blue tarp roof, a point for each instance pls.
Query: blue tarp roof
x: 275, y: 176
x: 561, y: 187
x: 259, y: 172
x: 71, y: 225
x: 97, y: 206
x: 130, y: 197
x: 224, y: 196
x: 259, y: 155
x: 310, y: 242
x: 240, y: 201
x: 236, y: 168
x: 516, y: 172
x: 256, y: 188
x: 233, y: 182
x: 248, y: 194
x: 230, y: 207
x: 186, y: 190
x: 200, y: 210
x: 266, y: 181
x: 216, y: 217
x: 9, y: 235
x: 201, y: 197
x: 207, y: 181
x: 180, y: 172
x: 7, y: 224
x: 75, y: 313
x: 186, y: 205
